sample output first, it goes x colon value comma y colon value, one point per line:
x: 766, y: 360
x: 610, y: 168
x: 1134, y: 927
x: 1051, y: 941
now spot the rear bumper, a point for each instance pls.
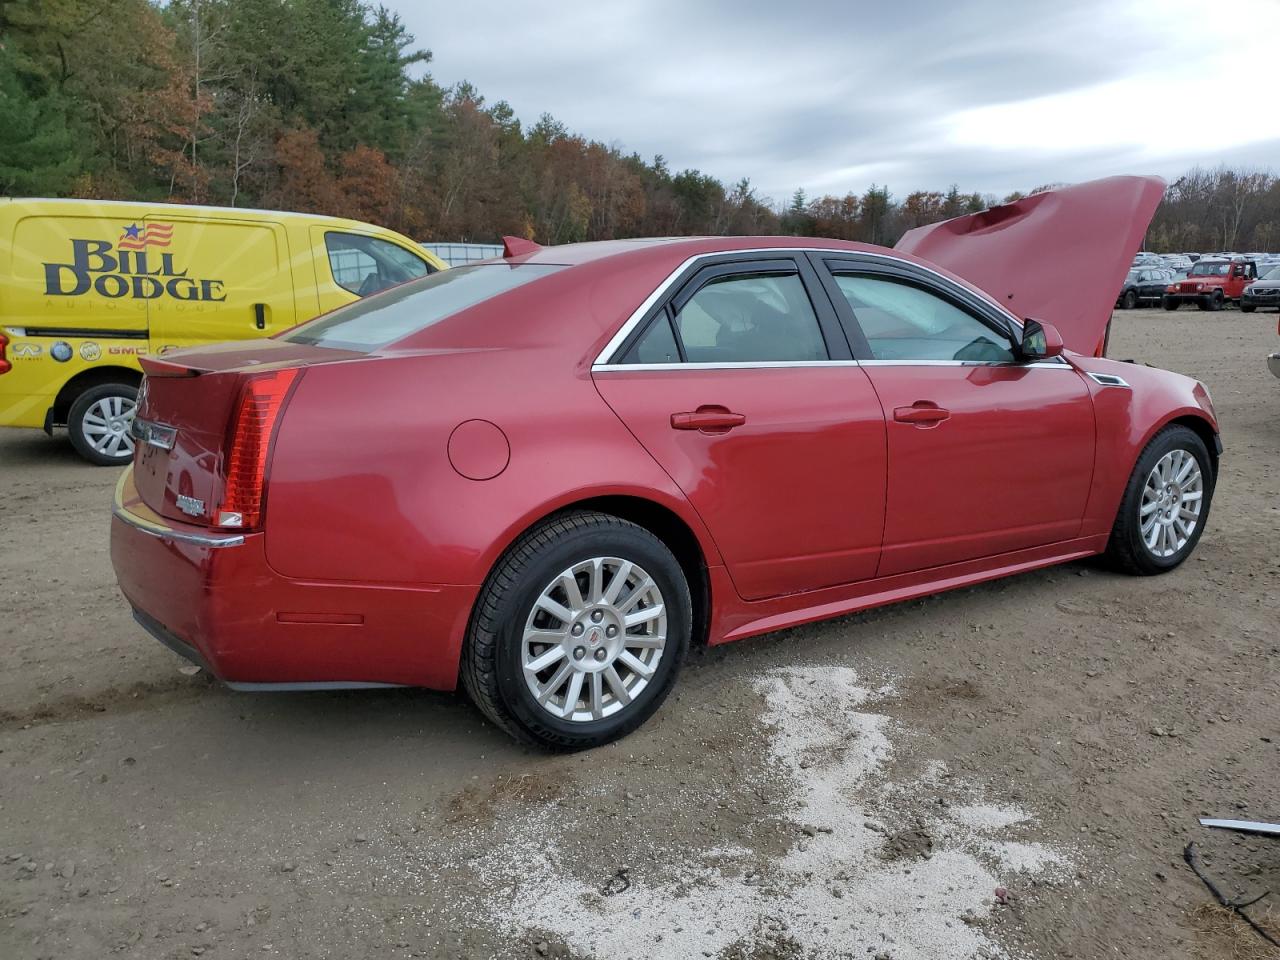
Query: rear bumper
x: 213, y: 598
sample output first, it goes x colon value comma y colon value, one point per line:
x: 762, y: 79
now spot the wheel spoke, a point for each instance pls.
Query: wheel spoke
x: 572, y: 694
x: 1192, y: 495
x: 616, y: 584
x: 595, y: 588
x: 644, y: 616
x: 636, y: 665
x: 545, y: 659
x: 569, y: 583
x: 1149, y: 508
x: 1188, y: 465
x: 557, y: 610
x: 1186, y: 514
x: 616, y: 685
x: 636, y: 596
x: 597, y: 696
x: 645, y: 642
x: 555, y: 683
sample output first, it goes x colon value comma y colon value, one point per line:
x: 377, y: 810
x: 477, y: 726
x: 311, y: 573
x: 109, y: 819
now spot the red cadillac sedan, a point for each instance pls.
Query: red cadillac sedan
x: 546, y: 475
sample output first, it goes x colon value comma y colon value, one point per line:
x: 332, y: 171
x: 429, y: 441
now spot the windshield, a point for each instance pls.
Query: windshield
x: 382, y: 319
x: 1272, y: 274
x: 1203, y: 269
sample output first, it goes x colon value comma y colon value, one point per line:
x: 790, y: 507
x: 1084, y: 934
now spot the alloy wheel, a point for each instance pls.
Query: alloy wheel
x: 593, y: 639
x: 1171, y: 502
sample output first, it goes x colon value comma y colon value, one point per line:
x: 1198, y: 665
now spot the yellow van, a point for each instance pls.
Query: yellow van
x: 87, y: 286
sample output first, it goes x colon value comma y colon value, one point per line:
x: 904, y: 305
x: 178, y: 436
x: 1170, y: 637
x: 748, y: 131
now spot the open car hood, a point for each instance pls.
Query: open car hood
x: 1060, y: 256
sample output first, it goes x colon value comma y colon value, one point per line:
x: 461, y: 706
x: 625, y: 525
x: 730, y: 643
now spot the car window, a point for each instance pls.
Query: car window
x: 365, y: 265
x: 902, y: 321
x: 740, y: 318
x: 378, y: 321
x: 658, y: 345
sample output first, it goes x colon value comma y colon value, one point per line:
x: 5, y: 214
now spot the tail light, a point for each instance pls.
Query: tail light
x: 5, y: 365
x: 248, y: 445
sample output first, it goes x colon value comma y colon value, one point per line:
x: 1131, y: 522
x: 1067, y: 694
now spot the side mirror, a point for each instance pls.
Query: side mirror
x: 1040, y: 341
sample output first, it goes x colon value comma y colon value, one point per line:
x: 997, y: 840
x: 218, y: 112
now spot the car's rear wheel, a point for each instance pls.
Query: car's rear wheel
x: 578, y: 633
x: 1129, y: 300
x: 99, y: 423
x: 1165, y: 505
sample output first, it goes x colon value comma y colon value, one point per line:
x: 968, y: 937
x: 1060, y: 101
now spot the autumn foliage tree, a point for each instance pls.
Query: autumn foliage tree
x: 324, y: 106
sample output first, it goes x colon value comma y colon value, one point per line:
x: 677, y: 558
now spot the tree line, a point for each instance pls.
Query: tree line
x: 324, y: 106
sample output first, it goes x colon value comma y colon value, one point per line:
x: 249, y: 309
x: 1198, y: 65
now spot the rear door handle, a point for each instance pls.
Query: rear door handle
x: 708, y: 419
x: 923, y: 413
x: 260, y: 316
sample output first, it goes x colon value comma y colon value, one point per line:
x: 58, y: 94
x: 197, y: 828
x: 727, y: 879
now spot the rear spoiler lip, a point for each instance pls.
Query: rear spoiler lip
x: 155, y: 367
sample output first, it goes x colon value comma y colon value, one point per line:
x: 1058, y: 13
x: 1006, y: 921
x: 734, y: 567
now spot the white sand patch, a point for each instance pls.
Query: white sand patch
x: 831, y: 895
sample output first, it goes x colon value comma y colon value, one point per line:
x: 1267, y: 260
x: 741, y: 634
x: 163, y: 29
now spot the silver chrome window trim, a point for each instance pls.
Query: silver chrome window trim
x: 1040, y: 364
x: 601, y: 361
x: 722, y: 365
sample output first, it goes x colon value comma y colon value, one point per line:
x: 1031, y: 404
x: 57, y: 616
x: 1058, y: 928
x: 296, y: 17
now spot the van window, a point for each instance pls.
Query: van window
x: 365, y: 265
x: 378, y: 321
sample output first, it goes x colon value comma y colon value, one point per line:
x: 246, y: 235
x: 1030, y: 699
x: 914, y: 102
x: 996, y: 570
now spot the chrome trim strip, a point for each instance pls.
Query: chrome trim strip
x: 602, y: 358
x: 723, y: 365
x: 1108, y: 380
x: 163, y: 531
x: 1039, y: 364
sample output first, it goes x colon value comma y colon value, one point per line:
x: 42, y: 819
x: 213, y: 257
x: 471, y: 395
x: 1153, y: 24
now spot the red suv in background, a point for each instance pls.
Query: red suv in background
x: 1210, y: 284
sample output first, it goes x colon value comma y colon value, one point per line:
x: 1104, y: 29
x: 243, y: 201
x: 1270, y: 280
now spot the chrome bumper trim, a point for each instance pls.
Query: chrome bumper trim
x: 163, y: 531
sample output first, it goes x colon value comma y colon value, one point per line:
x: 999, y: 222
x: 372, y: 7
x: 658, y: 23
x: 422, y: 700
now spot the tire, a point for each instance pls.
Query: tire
x: 1170, y: 304
x: 99, y: 422
x: 1128, y: 548
x: 1217, y: 301
x: 1247, y: 308
x: 495, y: 653
x: 1130, y: 300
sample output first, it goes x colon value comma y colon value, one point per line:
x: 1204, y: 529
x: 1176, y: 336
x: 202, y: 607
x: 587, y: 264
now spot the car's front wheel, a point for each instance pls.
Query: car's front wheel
x: 1247, y: 308
x: 578, y: 633
x: 1165, y: 504
x: 1170, y: 304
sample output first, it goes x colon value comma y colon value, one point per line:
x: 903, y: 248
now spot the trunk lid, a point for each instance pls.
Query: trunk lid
x: 184, y: 418
x: 1060, y: 256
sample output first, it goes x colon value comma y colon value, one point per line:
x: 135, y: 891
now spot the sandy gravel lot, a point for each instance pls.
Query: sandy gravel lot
x: 856, y: 788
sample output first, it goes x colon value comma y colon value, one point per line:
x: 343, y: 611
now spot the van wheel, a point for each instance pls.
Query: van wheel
x: 99, y: 423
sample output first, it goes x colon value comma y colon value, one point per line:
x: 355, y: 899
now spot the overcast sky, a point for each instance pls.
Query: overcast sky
x: 994, y: 95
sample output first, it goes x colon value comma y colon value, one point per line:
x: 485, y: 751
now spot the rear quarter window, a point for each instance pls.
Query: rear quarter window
x: 376, y: 321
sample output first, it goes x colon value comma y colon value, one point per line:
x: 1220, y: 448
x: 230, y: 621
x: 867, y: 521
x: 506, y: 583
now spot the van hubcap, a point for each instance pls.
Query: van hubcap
x: 1171, y: 501
x: 106, y: 426
x: 594, y: 639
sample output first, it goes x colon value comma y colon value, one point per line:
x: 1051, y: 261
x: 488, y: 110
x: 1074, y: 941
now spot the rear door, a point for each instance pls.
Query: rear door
x: 742, y: 387
x: 986, y: 454
x: 210, y: 280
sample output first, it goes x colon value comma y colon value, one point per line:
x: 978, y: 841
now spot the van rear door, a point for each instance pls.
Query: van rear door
x: 215, y: 279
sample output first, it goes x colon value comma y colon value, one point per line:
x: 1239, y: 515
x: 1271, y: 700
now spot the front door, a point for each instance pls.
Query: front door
x: 986, y: 454
x: 753, y: 405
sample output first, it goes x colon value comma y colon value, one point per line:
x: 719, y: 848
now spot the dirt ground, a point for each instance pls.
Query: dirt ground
x: 853, y: 788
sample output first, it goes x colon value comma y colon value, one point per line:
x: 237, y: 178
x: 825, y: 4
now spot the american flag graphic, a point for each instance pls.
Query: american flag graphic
x: 148, y: 235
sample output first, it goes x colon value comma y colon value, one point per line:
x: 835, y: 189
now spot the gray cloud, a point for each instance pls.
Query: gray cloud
x: 830, y: 96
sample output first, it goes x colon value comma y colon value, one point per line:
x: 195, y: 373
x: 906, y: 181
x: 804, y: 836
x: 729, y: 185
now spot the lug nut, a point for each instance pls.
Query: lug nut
x: 577, y: 630
x: 610, y: 631
x: 596, y: 616
x: 579, y: 652
x: 600, y: 654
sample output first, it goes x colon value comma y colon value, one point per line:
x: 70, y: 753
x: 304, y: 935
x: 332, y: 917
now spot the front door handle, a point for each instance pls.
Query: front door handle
x: 708, y: 419
x: 922, y: 413
x: 260, y: 316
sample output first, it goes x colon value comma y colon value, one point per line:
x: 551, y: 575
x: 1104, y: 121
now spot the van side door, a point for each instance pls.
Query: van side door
x: 212, y: 280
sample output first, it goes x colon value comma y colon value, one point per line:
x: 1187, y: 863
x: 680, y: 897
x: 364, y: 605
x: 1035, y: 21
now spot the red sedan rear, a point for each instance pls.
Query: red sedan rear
x: 547, y: 475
